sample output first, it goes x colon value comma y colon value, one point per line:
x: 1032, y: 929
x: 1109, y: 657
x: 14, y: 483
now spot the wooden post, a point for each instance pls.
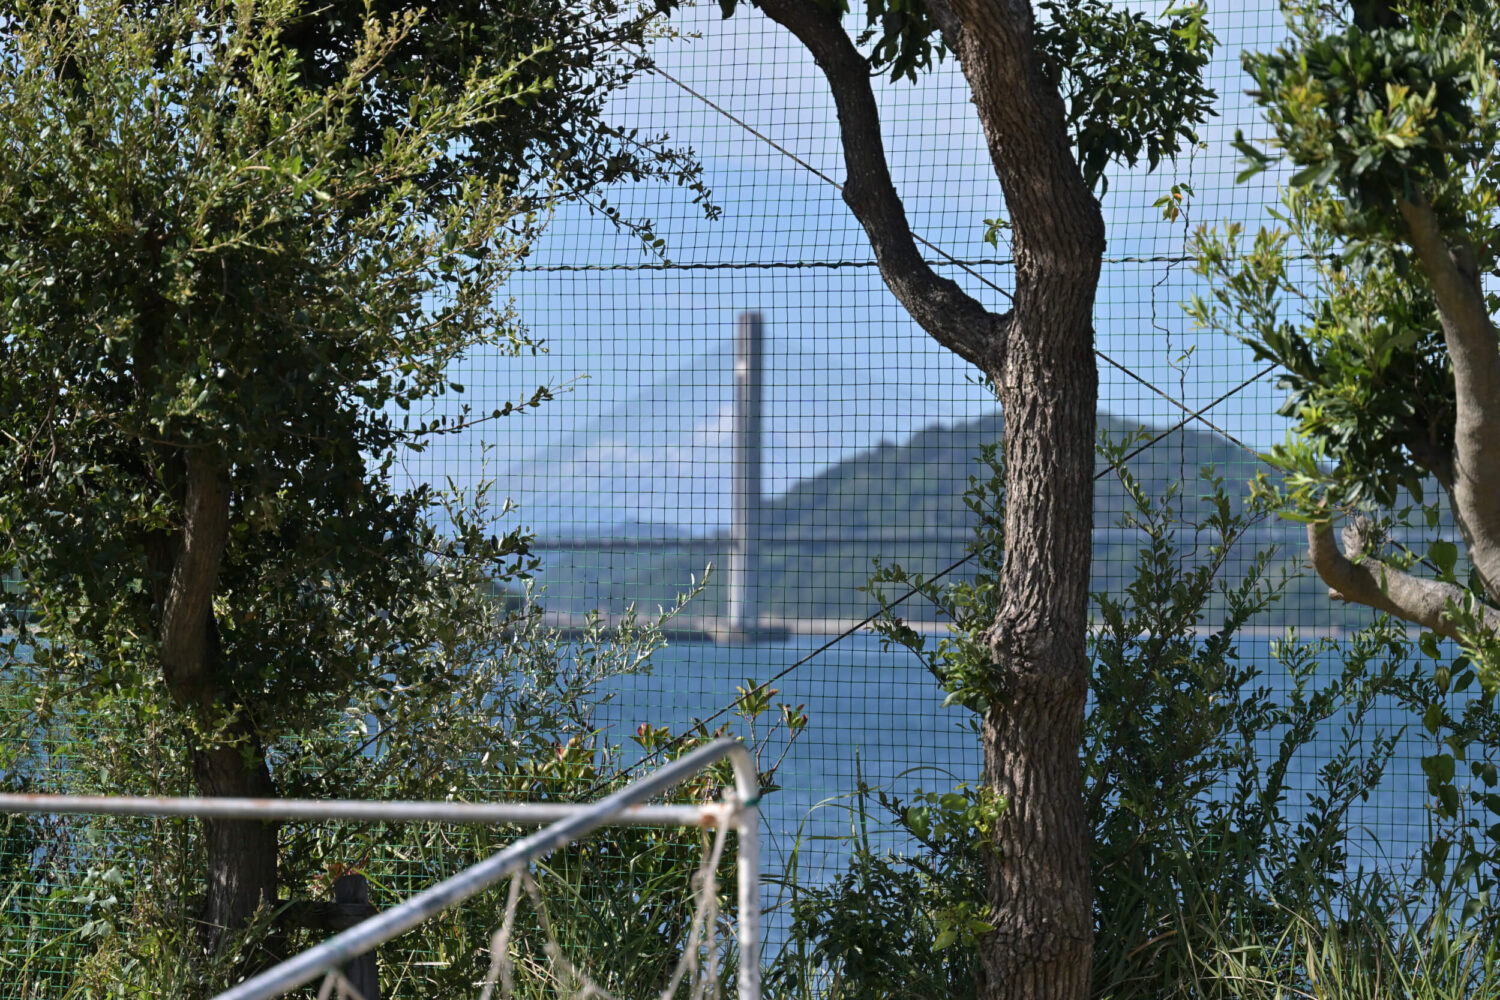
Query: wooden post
x: 744, y: 520
x: 362, y: 972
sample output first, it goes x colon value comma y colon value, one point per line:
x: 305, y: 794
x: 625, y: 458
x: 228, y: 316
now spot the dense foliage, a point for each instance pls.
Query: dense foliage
x: 1214, y: 873
x: 242, y: 243
x: 559, y: 143
x: 1371, y: 292
x: 1368, y: 290
x: 197, y: 268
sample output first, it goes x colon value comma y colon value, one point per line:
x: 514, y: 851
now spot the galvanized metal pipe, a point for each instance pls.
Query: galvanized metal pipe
x: 516, y: 813
x: 747, y: 868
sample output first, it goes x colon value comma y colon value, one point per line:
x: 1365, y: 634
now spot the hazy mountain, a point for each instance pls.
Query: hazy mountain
x: 903, y: 503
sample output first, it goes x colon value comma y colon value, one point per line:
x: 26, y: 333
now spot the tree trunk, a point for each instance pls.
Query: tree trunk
x: 1048, y: 385
x: 227, y: 755
x: 1039, y: 873
x: 1040, y: 357
x: 241, y: 853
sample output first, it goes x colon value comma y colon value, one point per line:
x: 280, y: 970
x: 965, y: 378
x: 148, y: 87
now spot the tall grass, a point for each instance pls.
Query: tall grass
x: 1365, y: 944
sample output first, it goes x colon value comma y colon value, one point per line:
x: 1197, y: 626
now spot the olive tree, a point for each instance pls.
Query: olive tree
x: 1060, y: 92
x: 1374, y: 295
x: 239, y: 241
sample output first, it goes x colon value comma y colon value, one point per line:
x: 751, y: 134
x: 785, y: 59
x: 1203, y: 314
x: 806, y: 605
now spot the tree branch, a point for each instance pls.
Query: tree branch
x: 1385, y: 588
x: 949, y: 314
x: 1471, y: 340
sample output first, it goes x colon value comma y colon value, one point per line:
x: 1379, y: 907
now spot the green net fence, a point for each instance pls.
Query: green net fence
x: 637, y: 477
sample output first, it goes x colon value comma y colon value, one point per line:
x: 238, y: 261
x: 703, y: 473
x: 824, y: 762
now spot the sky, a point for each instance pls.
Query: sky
x: 641, y: 434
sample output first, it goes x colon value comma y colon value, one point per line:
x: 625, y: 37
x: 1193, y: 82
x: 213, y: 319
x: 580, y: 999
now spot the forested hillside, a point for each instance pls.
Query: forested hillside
x: 904, y: 504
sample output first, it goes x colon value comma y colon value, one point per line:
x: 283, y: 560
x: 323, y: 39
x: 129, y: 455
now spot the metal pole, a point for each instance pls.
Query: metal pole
x: 747, y: 871
x: 744, y: 521
x: 516, y: 813
x: 362, y: 937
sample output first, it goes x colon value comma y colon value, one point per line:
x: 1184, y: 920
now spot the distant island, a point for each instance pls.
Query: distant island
x: 904, y: 504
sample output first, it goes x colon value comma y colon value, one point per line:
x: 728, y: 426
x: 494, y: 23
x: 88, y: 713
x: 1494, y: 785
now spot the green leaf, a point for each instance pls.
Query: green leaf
x: 1249, y: 172
x: 1444, y: 555
x: 1255, y: 159
x: 1438, y: 767
x: 1314, y: 175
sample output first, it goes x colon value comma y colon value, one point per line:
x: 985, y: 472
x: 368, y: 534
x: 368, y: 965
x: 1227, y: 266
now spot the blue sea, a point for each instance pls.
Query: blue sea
x: 878, y: 715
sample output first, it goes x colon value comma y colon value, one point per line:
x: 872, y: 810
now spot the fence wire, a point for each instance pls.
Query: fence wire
x: 867, y: 431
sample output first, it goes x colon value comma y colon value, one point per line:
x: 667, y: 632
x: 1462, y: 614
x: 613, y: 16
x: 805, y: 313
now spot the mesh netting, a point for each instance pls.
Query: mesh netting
x: 867, y: 433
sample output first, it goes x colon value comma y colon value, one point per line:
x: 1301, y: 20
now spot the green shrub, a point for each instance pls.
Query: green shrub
x: 1188, y: 756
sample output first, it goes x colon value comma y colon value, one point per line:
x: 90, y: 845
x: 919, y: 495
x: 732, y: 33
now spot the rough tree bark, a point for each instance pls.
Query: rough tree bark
x: 1039, y: 355
x: 227, y: 762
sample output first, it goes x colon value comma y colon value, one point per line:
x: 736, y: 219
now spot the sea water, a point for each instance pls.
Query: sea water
x: 876, y: 716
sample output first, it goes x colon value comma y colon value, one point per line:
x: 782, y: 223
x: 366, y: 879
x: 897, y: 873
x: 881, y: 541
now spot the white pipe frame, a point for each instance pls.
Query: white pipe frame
x: 563, y: 824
